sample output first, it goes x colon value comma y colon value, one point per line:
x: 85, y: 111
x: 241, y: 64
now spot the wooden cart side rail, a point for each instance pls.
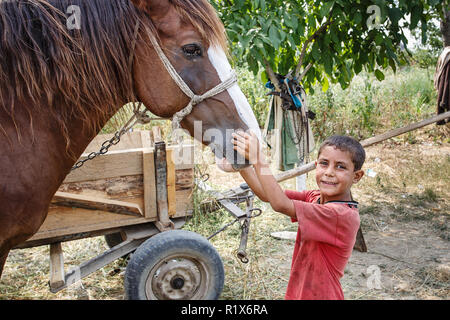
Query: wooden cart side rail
x: 126, y: 163
x: 66, y: 199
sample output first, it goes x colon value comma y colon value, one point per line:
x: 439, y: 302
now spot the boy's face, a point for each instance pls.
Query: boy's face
x: 335, y: 173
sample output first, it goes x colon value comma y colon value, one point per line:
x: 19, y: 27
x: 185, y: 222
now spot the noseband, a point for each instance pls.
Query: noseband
x: 195, y: 99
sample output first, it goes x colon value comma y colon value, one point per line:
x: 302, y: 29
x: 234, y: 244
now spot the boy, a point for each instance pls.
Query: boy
x: 328, y: 218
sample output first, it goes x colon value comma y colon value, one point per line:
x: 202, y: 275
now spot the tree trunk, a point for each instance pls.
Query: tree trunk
x: 445, y: 29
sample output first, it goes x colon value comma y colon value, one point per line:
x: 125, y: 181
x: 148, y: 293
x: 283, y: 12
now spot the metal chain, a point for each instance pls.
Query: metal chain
x: 250, y: 216
x: 138, y: 116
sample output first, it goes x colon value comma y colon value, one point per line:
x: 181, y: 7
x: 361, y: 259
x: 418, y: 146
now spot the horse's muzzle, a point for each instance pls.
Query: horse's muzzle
x: 237, y: 161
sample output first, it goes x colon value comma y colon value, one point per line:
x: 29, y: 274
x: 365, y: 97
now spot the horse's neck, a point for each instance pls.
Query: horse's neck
x: 80, y: 136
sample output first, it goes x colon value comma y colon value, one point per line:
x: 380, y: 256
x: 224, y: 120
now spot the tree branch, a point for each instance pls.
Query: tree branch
x: 308, y: 41
x: 272, y: 75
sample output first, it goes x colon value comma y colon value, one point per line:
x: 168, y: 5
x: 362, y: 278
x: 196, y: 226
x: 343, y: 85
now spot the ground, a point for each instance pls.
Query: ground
x: 404, y: 208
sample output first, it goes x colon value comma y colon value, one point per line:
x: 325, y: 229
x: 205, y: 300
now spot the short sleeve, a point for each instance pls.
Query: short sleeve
x: 296, y: 195
x: 333, y: 224
x: 305, y: 196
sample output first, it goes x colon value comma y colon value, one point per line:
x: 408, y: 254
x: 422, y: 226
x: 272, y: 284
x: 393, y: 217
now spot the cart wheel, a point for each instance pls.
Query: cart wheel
x: 174, y: 265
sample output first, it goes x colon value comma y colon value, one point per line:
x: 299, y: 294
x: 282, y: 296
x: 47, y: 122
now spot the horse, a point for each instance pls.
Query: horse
x: 67, y: 66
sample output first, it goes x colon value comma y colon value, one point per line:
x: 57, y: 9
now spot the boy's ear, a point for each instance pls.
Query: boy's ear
x: 358, y: 174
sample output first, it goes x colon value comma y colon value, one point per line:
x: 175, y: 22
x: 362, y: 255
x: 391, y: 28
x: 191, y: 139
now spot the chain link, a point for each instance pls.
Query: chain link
x: 138, y: 116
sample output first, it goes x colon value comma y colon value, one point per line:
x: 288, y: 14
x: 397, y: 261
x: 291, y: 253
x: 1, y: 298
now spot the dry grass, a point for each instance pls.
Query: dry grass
x: 407, y: 203
x: 410, y: 193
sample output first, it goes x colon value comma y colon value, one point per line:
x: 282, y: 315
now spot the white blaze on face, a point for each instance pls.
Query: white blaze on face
x: 220, y: 62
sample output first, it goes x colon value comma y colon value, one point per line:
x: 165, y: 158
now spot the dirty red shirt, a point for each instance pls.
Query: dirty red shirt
x: 325, y: 239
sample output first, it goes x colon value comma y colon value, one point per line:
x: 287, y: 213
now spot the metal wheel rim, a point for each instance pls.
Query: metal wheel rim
x: 195, y: 276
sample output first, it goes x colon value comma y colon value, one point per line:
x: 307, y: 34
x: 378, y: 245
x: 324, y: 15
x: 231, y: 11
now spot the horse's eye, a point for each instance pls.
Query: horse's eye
x: 192, y: 50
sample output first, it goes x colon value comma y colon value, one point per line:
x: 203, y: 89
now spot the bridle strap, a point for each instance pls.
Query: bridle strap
x: 195, y: 99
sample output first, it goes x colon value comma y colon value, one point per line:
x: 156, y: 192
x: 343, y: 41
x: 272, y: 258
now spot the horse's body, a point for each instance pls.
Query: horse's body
x: 58, y: 87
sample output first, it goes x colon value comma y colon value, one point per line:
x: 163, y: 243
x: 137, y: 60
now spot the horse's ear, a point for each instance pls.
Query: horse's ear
x: 152, y: 7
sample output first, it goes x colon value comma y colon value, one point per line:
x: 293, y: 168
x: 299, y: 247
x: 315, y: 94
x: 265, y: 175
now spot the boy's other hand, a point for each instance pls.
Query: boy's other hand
x: 247, y: 145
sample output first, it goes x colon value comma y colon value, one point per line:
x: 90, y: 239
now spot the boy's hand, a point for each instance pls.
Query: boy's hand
x: 247, y: 145
x: 224, y: 165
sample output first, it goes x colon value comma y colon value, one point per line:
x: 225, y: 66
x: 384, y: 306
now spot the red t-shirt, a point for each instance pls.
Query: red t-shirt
x: 325, y: 239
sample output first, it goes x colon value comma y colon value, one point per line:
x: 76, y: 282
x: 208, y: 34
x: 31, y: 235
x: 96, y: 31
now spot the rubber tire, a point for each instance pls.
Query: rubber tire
x: 165, y: 244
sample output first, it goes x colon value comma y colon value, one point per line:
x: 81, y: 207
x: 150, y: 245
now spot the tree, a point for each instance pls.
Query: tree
x: 334, y: 40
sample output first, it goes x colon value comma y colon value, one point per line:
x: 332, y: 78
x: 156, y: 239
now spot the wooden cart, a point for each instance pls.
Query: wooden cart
x: 137, y: 195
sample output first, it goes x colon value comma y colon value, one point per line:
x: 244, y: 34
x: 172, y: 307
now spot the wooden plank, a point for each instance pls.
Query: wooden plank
x: 66, y: 199
x: 161, y: 180
x: 150, y: 209
x: 124, y: 163
x: 125, y: 188
x: 113, y: 164
x: 184, y: 203
x: 63, y: 221
x: 171, y: 196
x: 56, y: 265
x: 183, y: 156
x: 130, y: 140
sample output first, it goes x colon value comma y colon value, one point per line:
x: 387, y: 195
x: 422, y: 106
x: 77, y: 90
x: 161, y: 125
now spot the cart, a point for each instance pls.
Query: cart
x: 138, y: 195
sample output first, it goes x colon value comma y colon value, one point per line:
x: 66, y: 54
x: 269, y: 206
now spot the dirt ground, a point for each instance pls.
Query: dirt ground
x: 404, y: 209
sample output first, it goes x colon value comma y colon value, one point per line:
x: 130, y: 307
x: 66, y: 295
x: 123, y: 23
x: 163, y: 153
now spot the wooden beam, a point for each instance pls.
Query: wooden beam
x: 366, y: 143
x: 148, y: 168
x: 171, y: 196
x: 56, y: 266
x: 405, y: 129
x: 66, y: 199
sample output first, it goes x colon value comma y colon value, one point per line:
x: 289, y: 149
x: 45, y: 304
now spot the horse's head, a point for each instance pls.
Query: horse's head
x: 193, y: 39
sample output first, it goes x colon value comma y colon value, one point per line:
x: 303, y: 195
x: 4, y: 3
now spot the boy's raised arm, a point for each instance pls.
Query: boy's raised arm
x: 248, y: 146
x: 250, y: 177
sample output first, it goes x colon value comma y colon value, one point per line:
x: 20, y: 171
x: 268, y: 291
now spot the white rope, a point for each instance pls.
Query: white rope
x: 195, y: 99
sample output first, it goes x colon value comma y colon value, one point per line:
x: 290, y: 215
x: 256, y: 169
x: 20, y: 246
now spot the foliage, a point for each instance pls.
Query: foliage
x: 427, y: 55
x: 369, y: 107
x: 352, y: 34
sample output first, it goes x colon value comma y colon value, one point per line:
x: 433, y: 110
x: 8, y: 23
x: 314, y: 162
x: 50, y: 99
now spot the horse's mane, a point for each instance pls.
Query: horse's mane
x: 43, y: 60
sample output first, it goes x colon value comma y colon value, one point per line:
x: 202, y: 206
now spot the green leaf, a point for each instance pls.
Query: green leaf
x: 274, y: 36
x: 357, y: 66
x: 325, y: 84
x: 358, y: 18
x: 378, y: 39
x: 315, y: 51
x: 264, y: 77
x: 415, y: 16
x: 326, y: 8
x: 379, y: 75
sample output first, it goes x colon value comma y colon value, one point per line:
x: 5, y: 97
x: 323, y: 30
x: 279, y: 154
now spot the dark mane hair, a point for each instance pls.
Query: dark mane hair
x: 345, y: 143
x: 44, y: 62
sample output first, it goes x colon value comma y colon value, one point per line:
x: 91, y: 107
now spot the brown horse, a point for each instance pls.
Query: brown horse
x: 67, y: 66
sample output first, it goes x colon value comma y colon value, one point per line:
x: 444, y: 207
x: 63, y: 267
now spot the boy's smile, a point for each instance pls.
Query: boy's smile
x: 335, y: 174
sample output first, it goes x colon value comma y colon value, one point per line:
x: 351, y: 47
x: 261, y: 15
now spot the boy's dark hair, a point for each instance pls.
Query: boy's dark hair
x: 345, y: 143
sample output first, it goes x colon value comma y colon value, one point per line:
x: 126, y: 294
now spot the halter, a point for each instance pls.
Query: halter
x: 195, y: 99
